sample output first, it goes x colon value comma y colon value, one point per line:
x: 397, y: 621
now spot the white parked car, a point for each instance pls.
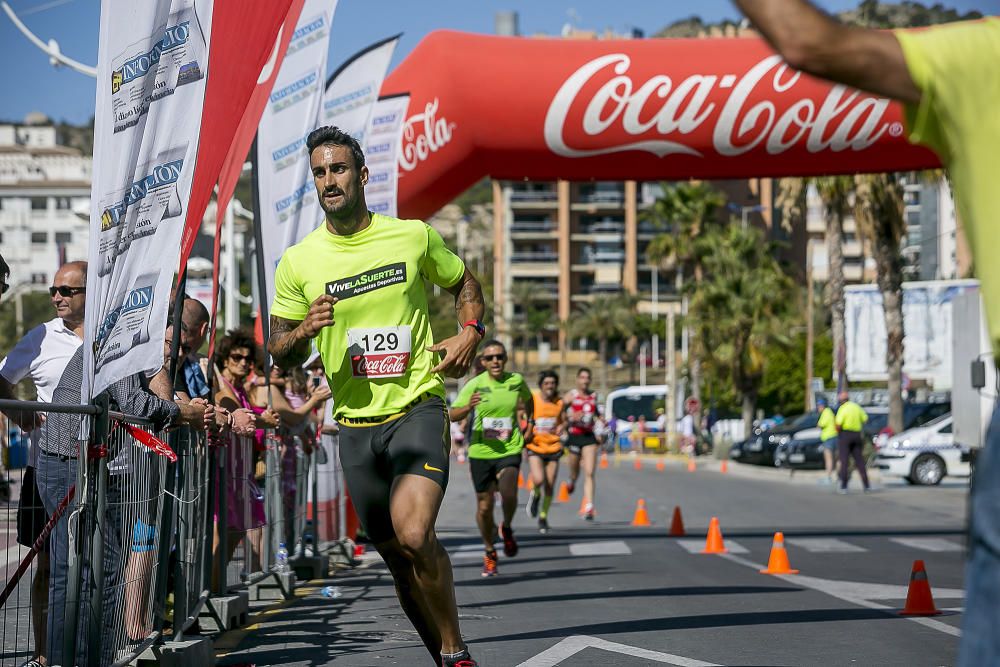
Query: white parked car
x: 924, y: 455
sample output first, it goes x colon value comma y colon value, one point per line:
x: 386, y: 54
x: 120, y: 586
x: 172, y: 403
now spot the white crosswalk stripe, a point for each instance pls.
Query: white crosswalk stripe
x: 604, y: 548
x: 696, y: 546
x: 821, y: 545
x: 935, y: 544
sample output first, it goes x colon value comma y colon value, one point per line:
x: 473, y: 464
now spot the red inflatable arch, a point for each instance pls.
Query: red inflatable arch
x: 652, y: 109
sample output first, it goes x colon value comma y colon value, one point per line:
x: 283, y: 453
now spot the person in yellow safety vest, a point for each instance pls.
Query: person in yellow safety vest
x: 828, y: 436
x: 850, y: 419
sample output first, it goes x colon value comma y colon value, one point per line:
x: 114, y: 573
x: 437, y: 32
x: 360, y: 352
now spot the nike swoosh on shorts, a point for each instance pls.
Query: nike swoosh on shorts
x: 432, y: 468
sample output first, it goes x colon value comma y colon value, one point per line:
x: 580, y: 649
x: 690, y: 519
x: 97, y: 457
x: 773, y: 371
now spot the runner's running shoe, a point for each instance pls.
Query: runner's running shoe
x: 588, y: 512
x: 464, y: 660
x: 570, y: 485
x: 533, y: 503
x: 490, y: 564
x: 543, y: 526
x: 509, y: 543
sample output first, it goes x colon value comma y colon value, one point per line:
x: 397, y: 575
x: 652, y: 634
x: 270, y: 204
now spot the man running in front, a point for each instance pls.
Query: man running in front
x: 496, y: 444
x: 582, y: 414
x: 545, y: 448
x: 355, y: 285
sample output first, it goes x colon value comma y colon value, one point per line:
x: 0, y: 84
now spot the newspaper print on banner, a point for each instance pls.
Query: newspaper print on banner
x: 352, y: 91
x: 152, y: 69
x: 288, y: 205
x: 381, y: 147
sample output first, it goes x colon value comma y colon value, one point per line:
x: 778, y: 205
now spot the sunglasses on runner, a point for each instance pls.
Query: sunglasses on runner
x: 237, y: 358
x: 66, y: 290
x: 494, y: 357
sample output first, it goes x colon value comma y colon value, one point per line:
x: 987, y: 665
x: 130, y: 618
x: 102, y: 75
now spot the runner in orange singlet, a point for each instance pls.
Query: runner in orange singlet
x: 545, y: 448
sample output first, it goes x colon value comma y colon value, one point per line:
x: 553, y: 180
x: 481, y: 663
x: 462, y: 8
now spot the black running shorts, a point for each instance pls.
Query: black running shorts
x: 554, y: 456
x: 485, y: 471
x: 31, y: 514
x: 576, y: 443
x: 418, y: 443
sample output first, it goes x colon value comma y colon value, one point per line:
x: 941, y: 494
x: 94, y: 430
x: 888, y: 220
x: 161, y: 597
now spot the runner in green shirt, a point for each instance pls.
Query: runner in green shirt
x: 495, y: 448
x: 356, y: 285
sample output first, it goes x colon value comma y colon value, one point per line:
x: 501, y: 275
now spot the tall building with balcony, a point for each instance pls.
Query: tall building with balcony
x: 44, y: 197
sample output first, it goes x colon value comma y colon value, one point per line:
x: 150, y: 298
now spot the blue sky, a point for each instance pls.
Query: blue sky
x: 31, y: 84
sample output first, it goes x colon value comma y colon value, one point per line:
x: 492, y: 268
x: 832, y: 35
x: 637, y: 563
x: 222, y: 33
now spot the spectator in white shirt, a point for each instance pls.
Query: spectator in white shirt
x: 42, y: 356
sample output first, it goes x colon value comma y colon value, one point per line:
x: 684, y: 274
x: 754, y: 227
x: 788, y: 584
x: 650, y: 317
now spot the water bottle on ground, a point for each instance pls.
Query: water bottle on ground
x: 332, y: 592
x: 281, y: 560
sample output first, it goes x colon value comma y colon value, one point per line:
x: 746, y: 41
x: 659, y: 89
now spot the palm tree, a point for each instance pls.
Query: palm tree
x: 741, y: 308
x: 878, y: 210
x: 605, y: 318
x: 835, y: 191
x: 522, y: 327
x: 688, y: 211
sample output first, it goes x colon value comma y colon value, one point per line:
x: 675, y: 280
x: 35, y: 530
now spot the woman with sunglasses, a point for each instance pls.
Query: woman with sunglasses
x: 496, y: 444
x: 244, y: 500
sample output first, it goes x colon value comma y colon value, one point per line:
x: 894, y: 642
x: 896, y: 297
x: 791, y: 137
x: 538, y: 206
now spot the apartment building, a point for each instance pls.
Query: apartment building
x: 44, y: 200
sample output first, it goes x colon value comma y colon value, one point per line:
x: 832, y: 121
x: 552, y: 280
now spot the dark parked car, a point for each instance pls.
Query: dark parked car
x: 805, y: 451
x: 759, y: 448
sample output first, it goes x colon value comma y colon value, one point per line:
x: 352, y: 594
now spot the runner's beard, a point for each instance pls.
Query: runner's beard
x: 340, y: 215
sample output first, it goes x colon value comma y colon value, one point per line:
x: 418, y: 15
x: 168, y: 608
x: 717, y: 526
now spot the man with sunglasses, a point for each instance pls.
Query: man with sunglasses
x: 42, y: 356
x: 495, y: 448
x: 356, y: 285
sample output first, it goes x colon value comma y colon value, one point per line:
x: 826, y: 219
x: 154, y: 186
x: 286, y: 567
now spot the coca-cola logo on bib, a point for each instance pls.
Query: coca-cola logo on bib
x: 423, y: 134
x: 380, y: 365
x: 655, y: 115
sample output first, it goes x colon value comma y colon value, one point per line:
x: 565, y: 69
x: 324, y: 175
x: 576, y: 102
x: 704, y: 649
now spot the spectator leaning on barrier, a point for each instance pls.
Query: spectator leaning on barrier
x: 42, y: 356
x: 59, y: 449
x: 190, y: 381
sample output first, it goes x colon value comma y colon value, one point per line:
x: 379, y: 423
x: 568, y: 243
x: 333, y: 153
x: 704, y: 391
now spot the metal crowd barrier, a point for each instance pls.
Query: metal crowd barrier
x: 158, y: 534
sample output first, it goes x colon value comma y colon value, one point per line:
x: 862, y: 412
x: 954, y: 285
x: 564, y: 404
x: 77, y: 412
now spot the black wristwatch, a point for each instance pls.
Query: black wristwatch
x: 478, y: 326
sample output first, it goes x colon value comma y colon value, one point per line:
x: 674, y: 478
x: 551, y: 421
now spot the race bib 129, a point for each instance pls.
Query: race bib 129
x: 382, y: 352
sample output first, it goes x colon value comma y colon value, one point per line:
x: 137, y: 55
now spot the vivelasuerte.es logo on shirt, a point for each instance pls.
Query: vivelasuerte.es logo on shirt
x: 370, y: 280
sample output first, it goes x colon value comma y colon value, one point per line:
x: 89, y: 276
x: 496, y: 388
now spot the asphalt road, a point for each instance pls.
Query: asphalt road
x: 606, y: 593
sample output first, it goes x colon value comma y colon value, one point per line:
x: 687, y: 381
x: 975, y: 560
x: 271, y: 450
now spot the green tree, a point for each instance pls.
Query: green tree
x: 688, y: 213
x: 605, y: 318
x: 878, y: 210
x: 741, y: 309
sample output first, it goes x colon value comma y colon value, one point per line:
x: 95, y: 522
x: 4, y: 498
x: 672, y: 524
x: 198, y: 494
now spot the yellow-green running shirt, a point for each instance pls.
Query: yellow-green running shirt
x: 851, y: 416
x: 827, y: 424
x: 955, y: 68
x: 375, y: 353
x: 495, y: 431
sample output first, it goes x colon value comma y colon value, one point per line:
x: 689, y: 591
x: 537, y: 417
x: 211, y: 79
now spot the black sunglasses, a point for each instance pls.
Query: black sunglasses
x: 66, y: 290
x: 494, y: 357
x: 241, y: 357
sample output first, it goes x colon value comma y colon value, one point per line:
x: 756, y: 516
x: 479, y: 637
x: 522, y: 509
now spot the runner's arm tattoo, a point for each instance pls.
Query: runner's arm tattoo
x: 286, y: 345
x: 469, y: 301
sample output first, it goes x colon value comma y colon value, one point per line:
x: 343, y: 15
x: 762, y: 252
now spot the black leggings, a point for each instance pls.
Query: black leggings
x: 850, y: 443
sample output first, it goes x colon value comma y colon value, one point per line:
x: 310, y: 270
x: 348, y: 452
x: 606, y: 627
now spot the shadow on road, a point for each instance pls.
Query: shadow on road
x: 679, y: 591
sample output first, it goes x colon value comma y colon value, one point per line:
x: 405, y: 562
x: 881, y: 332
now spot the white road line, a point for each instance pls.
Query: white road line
x: 821, y: 545
x: 605, y: 548
x: 858, y: 593
x: 573, y: 645
x: 696, y: 546
x: 935, y: 544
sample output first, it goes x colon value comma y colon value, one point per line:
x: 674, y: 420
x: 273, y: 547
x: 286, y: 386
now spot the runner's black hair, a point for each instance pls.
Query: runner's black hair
x: 4, y: 269
x: 546, y: 374
x: 584, y: 370
x: 328, y: 134
x: 493, y: 343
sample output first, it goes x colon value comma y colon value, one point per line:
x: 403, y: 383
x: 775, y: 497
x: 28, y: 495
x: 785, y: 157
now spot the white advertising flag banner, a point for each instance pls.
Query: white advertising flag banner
x: 381, y: 147
x: 151, y: 74
x: 288, y: 205
x: 352, y: 91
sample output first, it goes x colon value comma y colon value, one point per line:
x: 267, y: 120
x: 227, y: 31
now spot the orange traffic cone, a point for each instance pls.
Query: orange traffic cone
x: 520, y: 480
x: 714, y: 543
x: 692, y: 466
x: 640, y: 518
x: 638, y: 464
x: 677, y: 524
x: 919, y: 601
x: 604, y: 461
x: 724, y: 466
x: 661, y: 466
x: 529, y: 484
x: 777, y: 563
x: 563, y: 496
